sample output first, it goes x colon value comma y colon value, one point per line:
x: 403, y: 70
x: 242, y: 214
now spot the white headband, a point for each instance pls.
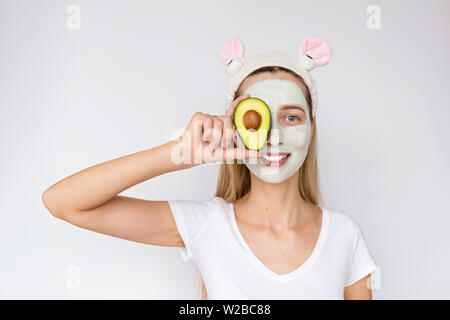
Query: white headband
x: 313, y: 52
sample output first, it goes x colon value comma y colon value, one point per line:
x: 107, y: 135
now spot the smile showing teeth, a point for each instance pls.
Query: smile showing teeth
x: 274, y: 158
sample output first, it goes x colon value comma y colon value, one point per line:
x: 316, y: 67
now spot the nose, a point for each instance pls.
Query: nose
x: 273, y: 137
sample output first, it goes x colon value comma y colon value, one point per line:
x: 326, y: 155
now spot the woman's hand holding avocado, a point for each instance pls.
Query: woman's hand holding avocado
x: 211, y: 139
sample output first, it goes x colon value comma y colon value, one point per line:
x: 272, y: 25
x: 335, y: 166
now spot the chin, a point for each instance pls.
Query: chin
x: 270, y: 175
x: 272, y: 179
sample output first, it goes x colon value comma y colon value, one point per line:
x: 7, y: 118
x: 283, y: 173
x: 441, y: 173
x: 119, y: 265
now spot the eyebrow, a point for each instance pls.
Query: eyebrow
x: 292, y: 106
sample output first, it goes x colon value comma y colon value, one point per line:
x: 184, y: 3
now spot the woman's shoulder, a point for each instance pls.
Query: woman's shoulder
x: 205, y: 207
x: 342, y: 222
x: 209, y: 202
x: 217, y: 201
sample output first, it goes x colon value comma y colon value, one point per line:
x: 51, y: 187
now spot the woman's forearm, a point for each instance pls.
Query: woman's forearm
x: 94, y: 186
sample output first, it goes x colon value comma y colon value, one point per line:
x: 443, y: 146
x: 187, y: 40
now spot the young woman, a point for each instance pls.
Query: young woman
x: 264, y: 234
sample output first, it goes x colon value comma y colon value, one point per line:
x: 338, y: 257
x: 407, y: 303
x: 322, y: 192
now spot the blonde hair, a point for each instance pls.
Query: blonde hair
x: 234, y: 179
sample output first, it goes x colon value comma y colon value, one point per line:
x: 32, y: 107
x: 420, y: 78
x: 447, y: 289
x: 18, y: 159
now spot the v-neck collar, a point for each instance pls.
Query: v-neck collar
x: 261, y: 266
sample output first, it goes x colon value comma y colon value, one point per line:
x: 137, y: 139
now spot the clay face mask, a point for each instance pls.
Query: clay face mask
x: 288, y: 142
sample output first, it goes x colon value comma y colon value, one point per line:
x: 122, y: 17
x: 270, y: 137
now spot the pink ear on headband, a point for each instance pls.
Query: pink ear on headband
x: 317, y: 49
x: 230, y: 50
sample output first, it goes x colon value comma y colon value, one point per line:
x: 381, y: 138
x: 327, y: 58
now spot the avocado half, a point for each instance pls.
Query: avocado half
x: 252, y: 121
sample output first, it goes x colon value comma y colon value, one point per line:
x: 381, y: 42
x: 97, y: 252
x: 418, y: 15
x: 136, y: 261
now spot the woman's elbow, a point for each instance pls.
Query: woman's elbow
x: 51, y: 203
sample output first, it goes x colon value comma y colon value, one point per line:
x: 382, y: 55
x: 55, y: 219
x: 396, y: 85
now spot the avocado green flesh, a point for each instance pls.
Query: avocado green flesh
x: 253, y: 140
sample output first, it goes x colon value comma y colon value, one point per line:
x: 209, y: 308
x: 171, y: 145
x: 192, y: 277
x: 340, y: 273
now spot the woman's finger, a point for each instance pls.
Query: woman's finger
x: 216, y: 133
x: 235, y: 138
x: 232, y: 106
x: 228, y: 130
x: 207, y: 128
x: 197, y: 127
x: 240, y: 154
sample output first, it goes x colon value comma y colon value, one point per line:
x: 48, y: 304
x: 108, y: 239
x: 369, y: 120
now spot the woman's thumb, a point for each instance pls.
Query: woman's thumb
x: 242, y: 154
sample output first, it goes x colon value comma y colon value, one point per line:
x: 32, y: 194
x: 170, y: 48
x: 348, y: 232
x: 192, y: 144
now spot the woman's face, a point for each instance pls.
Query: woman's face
x: 290, y: 133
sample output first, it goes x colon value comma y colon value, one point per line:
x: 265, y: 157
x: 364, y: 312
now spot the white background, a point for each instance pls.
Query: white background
x: 137, y: 70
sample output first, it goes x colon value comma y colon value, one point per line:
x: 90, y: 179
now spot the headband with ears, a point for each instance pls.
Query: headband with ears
x: 313, y: 52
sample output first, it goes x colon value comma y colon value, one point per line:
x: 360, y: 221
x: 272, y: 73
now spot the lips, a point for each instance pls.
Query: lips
x: 275, y: 159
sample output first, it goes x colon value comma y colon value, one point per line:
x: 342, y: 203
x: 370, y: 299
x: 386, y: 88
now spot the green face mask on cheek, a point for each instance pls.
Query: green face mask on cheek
x: 288, y: 143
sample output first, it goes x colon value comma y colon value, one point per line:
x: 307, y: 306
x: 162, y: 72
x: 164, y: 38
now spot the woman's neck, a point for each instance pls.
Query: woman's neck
x: 277, y: 206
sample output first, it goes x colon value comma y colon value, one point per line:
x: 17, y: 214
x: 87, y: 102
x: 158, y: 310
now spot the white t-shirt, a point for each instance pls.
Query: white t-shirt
x: 230, y: 269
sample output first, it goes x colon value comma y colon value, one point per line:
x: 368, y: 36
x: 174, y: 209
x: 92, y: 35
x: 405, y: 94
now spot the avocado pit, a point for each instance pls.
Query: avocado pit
x: 252, y: 120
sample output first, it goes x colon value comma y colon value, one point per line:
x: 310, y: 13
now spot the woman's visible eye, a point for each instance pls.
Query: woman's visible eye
x: 291, y: 115
x: 291, y: 118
